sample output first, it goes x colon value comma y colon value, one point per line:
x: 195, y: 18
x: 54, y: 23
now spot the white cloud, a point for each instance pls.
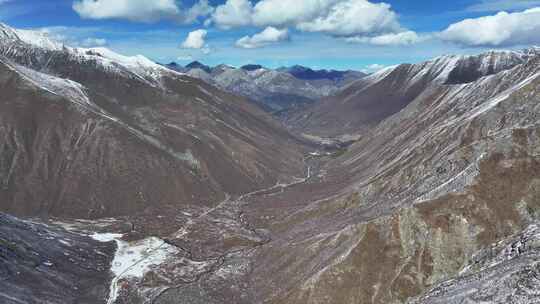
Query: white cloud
x: 140, y: 10
x: 279, y: 12
x: 200, y: 9
x: 74, y: 36
x: 372, y: 68
x: 502, y: 29
x: 333, y: 17
x: 185, y: 58
x: 91, y: 42
x: 195, y: 40
x: 403, y: 38
x: 233, y: 13
x: 502, y: 5
x: 270, y: 35
x: 206, y: 50
x: 134, y: 10
x: 355, y: 17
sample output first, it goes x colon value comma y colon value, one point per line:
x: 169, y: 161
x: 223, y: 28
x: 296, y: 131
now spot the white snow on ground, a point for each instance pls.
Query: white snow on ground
x: 503, y: 96
x: 134, y: 259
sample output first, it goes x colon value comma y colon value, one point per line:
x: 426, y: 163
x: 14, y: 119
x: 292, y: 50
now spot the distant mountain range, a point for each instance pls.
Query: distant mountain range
x: 276, y: 90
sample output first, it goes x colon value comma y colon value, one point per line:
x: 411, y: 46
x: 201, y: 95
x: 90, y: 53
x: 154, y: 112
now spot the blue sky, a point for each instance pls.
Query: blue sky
x: 275, y: 33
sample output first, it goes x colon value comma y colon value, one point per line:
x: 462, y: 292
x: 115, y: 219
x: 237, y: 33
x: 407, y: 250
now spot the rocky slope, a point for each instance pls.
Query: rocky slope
x: 40, y: 264
x: 506, y: 272
x: 368, y: 101
x: 279, y: 90
x: 91, y: 133
x: 409, y: 204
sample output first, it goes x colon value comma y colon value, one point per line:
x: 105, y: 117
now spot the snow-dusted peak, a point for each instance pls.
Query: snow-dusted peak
x: 455, y: 69
x: 374, y: 77
x: 32, y: 46
x: 37, y: 38
x: 137, y: 61
x: 7, y: 32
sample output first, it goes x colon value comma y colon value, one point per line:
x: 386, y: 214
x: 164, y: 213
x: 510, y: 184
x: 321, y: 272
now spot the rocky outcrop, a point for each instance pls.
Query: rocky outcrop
x: 505, y: 272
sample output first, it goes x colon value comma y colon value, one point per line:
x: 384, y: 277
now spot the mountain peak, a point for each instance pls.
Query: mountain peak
x: 197, y: 65
x: 35, y: 38
x: 252, y: 67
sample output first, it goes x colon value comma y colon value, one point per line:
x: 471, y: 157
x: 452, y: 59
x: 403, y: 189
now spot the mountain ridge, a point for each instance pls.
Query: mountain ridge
x: 373, y: 98
x: 278, y: 90
x: 114, y: 108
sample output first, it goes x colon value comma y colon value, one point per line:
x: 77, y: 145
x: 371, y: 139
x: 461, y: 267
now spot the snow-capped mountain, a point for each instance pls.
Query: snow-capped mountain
x: 89, y: 132
x: 277, y: 90
x: 369, y: 100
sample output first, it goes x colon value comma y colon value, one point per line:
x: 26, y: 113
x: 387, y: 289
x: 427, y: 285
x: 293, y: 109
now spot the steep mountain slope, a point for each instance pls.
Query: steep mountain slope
x: 40, y: 264
x: 277, y: 90
x: 506, y: 272
x: 91, y: 133
x: 368, y: 101
x: 409, y: 204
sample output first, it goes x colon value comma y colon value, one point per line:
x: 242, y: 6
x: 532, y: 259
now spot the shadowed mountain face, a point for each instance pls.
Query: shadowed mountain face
x: 90, y: 133
x: 437, y: 199
x: 282, y: 90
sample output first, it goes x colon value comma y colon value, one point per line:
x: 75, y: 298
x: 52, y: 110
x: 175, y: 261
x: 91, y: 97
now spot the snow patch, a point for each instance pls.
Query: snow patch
x: 134, y: 259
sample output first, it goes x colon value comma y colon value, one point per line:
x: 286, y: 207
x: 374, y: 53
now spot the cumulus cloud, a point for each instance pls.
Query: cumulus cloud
x: 333, y: 17
x: 279, y: 12
x: 354, y: 17
x: 502, y: 5
x: 134, y: 10
x: 185, y: 58
x: 372, y: 68
x: 402, y: 38
x: 502, y: 29
x: 195, y: 40
x: 91, y: 42
x: 270, y: 35
x: 200, y: 9
x: 233, y: 13
x: 140, y: 10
